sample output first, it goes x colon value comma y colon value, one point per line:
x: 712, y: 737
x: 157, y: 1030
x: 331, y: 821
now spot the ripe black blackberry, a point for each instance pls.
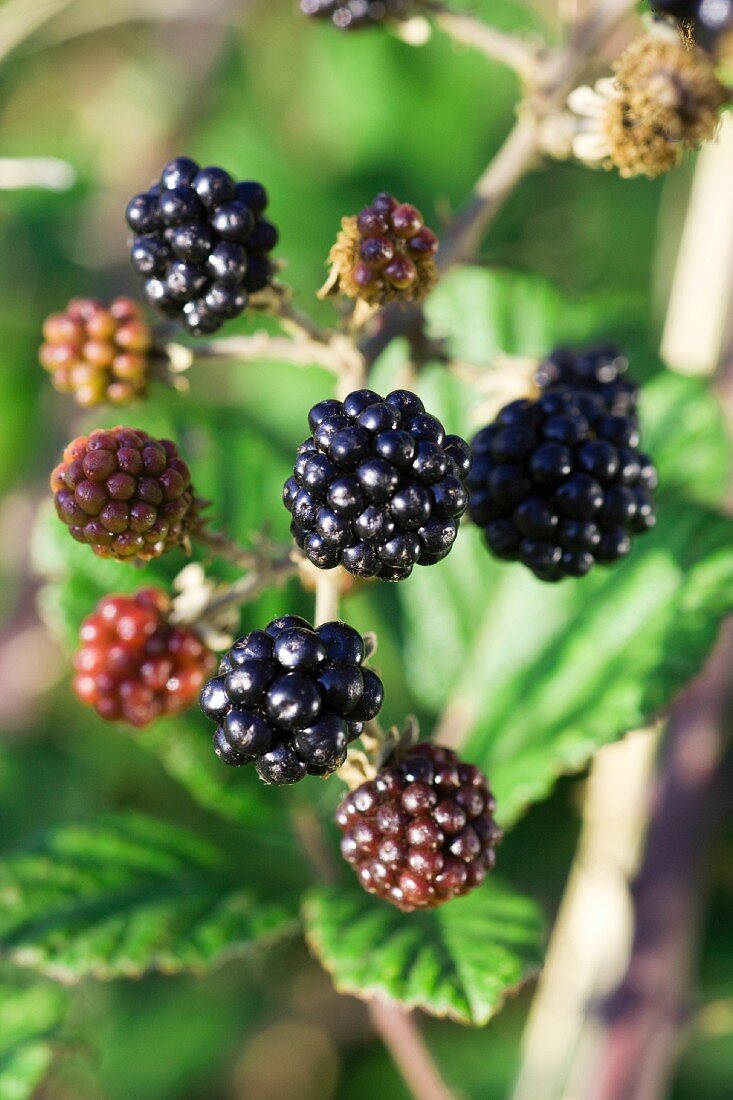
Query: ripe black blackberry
x: 710, y: 22
x: 600, y: 370
x: 201, y: 244
x: 352, y: 15
x: 126, y: 495
x: 290, y: 699
x: 421, y: 832
x: 560, y: 484
x: 378, y: 487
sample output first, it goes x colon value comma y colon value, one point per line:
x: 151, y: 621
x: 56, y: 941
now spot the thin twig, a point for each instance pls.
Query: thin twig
x: 410, y: 1054
x: 468, y: 30
x: 255, y: 348
x: 518, y: 154
x: 265, y: 554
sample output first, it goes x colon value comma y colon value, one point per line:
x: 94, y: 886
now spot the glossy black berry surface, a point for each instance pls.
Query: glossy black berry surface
x: 378, y: 487
x: 353, y: 15
x: 421, y: 832
x: 600, y: 370
x: 560, y: 484
x: 290, y: 699
x: 709, y: 20
x: 201, y: 244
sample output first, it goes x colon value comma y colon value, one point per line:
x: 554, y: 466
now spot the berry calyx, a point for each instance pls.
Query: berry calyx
x: 421, y: 832
x: 201, y: 244
x: 378, y: 487
x: 133, y: 665
x: 384, y: 254
x: 98, y: 352
x: 560, y: 483
x: 125, y: 494
x: 290, y: 698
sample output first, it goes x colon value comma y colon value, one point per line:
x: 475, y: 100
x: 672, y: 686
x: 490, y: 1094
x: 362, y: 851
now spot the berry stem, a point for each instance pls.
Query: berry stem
x: 300, y: 352
x: 268, y: 574
x: 328, y: 592
x: 468, y: 30
x: 395, y: 1027
x: 402, y: 1038
x: 224, y: 547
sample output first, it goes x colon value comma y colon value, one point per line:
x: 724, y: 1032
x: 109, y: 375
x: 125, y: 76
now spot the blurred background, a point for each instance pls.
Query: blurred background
x: 325, y: 120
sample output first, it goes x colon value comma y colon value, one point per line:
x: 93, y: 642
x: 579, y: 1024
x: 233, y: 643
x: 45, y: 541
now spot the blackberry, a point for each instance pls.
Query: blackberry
x: 560, y: 484
x: 353, y: 15
x: 133, y: 665
x: 600, y: 370
x: 710, y: 23
x: 384, y: 254
x: 378, y: 487
x: 125, y: 494
x: 98, y: 353
x: 422, y: 831
x: 201, y: 244
x: 290, y: 699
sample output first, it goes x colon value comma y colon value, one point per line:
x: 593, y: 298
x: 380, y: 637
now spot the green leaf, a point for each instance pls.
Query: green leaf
x: 684, y: 431
x: 235, y: 794
x: 540, y: 676
x: 30, y: 1018
x: 484, y: 312
x: 461, y: 960
x: 123, y: 895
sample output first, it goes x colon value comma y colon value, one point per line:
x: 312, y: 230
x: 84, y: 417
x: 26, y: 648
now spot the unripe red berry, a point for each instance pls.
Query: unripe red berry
x: 125, y: 494
x: 422, y: 831
x: 401, y: 272
x: 389, y: 238
x: 406, y: 220
x: 87, y: 348
x: 133, y: 665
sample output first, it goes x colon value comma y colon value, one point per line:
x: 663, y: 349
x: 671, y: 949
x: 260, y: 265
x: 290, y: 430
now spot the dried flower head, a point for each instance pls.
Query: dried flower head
x: 665, y: 98
x: 383, y: 255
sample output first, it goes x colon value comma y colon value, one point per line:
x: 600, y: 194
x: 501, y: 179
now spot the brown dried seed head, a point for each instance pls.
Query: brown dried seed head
x: 669, y: 99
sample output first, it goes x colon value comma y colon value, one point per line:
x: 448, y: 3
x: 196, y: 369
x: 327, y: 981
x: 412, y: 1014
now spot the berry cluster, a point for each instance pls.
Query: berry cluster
x: 352, y: 15
x: 134, y: 665
x: 560, y: 484
x: 96, y: 352
x: 378, y: 487
x: 384, y: 254
x: 600, y: 370
x: 201, y: 244
x: 124, y: 493
x: 422, y: 831
x: 291, y: 698
x: 710, y: 22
